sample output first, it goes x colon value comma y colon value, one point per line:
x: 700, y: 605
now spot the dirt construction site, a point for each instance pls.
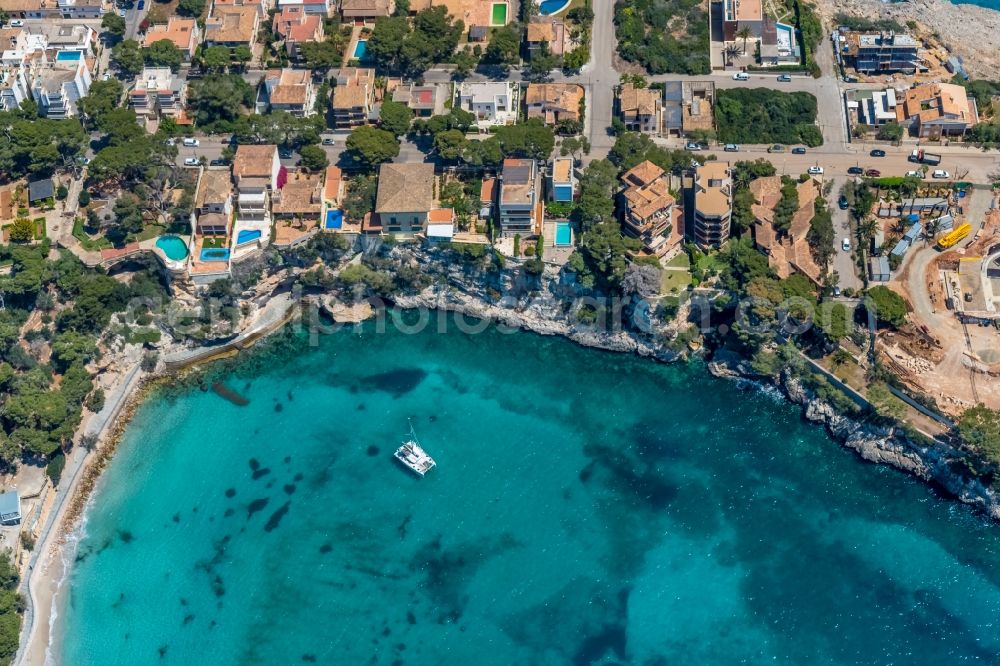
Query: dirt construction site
x: 951, y: 358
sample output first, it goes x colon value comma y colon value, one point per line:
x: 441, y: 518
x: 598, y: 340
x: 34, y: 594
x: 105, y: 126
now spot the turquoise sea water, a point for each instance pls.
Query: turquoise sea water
x: 989, y: 4
x: 587, y: 508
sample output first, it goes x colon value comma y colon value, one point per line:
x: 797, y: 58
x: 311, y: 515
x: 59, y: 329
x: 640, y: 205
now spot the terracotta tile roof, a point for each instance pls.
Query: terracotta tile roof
x: 333, y: 182
x: 488, y: 191
x: 441, y: 215
x: 254, y: 161
x: 647, y: 191
x: 563, y: 98
x: 177, y: 30
x: 311, y: 29
x: 712, y: 193
x: 291, y: 86
x: 937, y: 101
x: 366, y: 7
x: 638, y: 101
x: 299, y: 196
x: 215, y: 186
x: 405, y: 188
x: 540, y: 32
x: 232, y: 25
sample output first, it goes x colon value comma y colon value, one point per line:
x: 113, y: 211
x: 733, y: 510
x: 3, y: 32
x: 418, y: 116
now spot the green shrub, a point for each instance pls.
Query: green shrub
x: 55, y: 467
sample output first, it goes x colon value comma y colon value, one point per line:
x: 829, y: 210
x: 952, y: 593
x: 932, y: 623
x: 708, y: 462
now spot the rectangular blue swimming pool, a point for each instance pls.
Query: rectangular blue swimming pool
x: 360, y: 49
x: 564, y: 234
x: 214, y: 254
x: 69, y: 55
x: 334, y: 219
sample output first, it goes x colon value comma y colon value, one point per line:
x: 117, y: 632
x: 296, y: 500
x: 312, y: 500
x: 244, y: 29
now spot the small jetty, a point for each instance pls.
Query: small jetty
x: 413, y: 456
x: 229, y: 394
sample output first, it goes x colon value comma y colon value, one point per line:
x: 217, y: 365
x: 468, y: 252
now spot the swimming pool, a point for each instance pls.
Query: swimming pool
x: 247, y: 236
x: 334, y: 219
x: 173, y: 246
x: 550, y: 7
x: 564, y: 234
x: 68, y: 55
x: 360, y: 49
x: 498, y: 15
x: 214, y: 254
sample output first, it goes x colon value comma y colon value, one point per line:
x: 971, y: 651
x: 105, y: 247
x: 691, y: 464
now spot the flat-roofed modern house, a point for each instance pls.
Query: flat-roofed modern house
x: 10, y: 508
x: 641, y: 109
x: 157, y: 90
x: 873, y: 108
x: 492, y: 103
x: 405, y: 197
x: 213, y: 202
x: 933, y: 110
x: 712, y: 204
x: 651, y: 214
x: 425, y: 101
x: 561, y: 180
x: 738, y: 14
x: 688, y: 107
x: 519, y: 205
x: 879, y: 52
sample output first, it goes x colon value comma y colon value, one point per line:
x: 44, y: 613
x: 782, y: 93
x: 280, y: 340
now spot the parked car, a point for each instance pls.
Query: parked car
x: 731, y: 148
x: 16, y: 23
x: 329, y: 141
x: 141, y: 5
x: 798, y: 150
x: 776, y: 148
x: 873, y: 173
x: 121, y: 12
x: 816, y: 171
x: 877, y: 153
x: 850, y: 79
x: 191, y: 161
x: 741, y: 76
x: 191, y: 142
x: 855, y: 170
x: 940, y: 173
x: 691, y: 145
x: 845, y: 245
x: 836, y: 292
x: 914, y: 174
x: 285, y: 153
x: 843, y: 202
x: 217, y: 162
x: 784, y: 78
x: 105, y: 76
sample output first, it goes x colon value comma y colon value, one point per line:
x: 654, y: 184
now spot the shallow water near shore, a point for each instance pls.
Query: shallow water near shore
x: 587, y: 508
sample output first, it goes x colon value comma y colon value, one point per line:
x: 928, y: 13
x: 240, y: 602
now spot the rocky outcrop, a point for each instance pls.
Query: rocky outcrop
x: 939, y: 462
x: 546, y: 304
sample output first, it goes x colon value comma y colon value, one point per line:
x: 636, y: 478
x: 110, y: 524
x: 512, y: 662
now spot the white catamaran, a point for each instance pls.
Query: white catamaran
x: 414, y: 457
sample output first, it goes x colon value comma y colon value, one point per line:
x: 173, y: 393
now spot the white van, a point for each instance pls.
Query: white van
x: 191, y: 143
x: 940, y: 173
x: 741, y: 76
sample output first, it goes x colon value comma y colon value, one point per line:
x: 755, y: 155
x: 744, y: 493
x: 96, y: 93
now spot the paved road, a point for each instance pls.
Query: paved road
x: 843, y: 262
x: 211, y: 148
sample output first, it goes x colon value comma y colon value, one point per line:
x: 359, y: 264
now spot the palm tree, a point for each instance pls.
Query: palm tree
x: 730, y: 52
x: 867, y: 228
x: 744, y: 33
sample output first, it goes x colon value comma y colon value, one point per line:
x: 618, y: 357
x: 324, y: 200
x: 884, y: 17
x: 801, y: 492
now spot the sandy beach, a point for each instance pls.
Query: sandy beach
x: 966, y: 30
x: 123, y: 381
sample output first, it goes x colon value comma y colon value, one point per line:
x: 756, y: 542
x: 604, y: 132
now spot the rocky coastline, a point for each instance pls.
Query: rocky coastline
x: 939, y: 463
x: 544, y: 306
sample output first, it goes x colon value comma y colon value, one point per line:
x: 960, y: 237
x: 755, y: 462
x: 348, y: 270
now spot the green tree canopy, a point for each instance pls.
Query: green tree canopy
x: 889, y: 307
x: 128, y: 58
x: 164, y: 53
x: 371, y: 146
x: 395, y: 117
x: 216, y: 58
x: 113, y: 24
x: 980, y: 427
x: 313, y: 157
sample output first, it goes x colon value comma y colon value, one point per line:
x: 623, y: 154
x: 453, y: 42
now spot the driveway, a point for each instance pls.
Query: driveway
x: 843, y: 262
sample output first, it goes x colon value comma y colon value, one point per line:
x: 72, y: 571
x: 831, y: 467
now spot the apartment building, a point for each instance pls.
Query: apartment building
x: 257, y: 173
x: 213, y: 202
x: 519, y: 206
x: 181, y: 32
x: 158, y: 91
x: 288, y: 90
x: 353, y: 97
x: 650, y: 211
x: 712, y: 212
